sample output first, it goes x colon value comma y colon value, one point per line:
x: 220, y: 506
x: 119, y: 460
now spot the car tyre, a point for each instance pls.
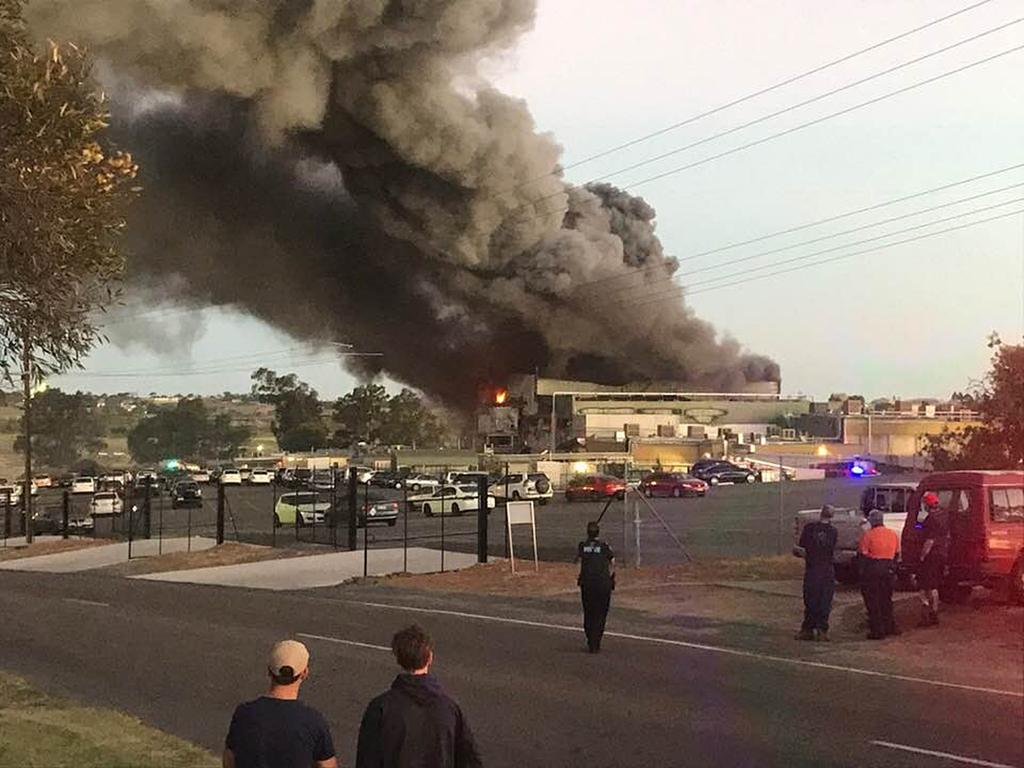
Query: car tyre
x: 649, y: 492
x: 1017, y: 583
x: 277, y: 521
x: 456, y: 510
x: 713, y: 480
x: 676, y: 493
x: 391, y: 523
x: 427, y: 510
x: 751, y: 478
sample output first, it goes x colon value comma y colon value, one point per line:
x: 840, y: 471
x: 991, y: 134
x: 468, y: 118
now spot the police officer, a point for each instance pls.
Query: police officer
x: 818, y: 541
x: 596, y: 582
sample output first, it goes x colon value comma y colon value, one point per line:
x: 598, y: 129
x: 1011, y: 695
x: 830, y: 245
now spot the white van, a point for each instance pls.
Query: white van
x: 83, y: 485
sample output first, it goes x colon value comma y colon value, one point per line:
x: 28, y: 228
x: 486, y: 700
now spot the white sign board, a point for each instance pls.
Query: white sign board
x: 521, y: 513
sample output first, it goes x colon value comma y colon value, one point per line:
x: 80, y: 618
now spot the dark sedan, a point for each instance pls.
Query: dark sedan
x: 714, y: 472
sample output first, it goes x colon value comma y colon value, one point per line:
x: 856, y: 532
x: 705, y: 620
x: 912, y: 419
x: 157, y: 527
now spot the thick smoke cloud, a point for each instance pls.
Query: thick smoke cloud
x: 336, y: 169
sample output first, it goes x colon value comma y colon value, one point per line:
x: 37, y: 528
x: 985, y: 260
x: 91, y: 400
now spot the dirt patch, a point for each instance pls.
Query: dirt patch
x: 230, y: 553
x: 560, y: 578
x: 50, y: 547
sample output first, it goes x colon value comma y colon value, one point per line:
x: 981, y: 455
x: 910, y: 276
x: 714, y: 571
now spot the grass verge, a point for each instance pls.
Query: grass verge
x: 39, y: 731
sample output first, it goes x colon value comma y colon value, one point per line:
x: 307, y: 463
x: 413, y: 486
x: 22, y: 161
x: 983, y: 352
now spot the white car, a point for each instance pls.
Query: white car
x: 200, y: 476
x: 105, y: 503
x: 12, y: 492
x: 304, y: 507
x: 83, y: 485
x: 450, y: 500
x: 417, y: 483
x: 259, y: 477
x: 230, y: 477
x: 364, y: 475
x: 524, y: 485
x: 42, y: 481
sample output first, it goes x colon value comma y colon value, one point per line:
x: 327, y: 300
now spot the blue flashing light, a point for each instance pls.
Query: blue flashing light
x: 857, y: 470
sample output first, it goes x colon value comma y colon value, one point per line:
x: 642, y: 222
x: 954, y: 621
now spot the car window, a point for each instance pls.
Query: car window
x: 1006, y: 505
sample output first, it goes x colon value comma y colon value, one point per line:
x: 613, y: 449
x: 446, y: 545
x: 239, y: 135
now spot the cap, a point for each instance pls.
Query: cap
x: 930, y: 499
x: 288, y: 660
x: 876, y: 517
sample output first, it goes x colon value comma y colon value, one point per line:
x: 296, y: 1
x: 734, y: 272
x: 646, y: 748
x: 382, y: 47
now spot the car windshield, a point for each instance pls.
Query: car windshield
x: 104, y: 496
x: 301, y: 498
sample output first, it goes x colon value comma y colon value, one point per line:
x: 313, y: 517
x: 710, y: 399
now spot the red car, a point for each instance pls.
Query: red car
x: 674, y: 484
x: 594, y: 487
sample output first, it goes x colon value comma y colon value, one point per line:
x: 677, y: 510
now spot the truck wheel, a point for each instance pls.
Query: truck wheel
x: 847, y: 573
x: 1017, y: 583
x: 955, y: 594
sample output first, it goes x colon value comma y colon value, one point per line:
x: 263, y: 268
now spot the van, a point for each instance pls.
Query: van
x: 986, y: 529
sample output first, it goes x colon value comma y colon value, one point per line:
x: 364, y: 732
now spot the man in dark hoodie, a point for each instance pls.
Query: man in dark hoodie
x: 415, y: 724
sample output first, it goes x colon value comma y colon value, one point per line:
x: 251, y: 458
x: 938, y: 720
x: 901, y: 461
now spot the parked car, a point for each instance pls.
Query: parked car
x: 105, y: 503
x: 417, y: 482
x: 674, y: 484
x: 83, y: 485
x: 324, y: 479
x: 259, y: 477
x: 306, y: 507
x: 245, y: 473
x: 383, y: 512
x: 524, y: 485
x: 230, y: 476
x: 387, y: 479
x: 465, y: 477
x: 200, y: 476
x: 49, y: 520
x: 363, y: 475
x: 80, y: 522
x: 888, y: 497
x: 150, y: 484
x: 300, y: 478
x: 187, y: 493
x: 42, y: 481
x: 10, y: 491
x: 986, y: 530
x: 714, y: 472
x: 591, y: 487
x: 450, y: 499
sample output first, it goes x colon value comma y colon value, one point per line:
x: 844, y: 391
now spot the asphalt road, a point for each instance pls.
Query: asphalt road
x: 731, y: 521
x: 180, y: 657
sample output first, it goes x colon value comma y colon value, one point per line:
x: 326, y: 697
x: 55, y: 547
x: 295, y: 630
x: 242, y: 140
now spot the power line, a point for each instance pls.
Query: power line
x: 761, y: 92
x: 811, y: 255
x: 806, y: 102
x: 842, y: 256
x: 851, y: 231
x: 211, y: 371
x: 796, y: 128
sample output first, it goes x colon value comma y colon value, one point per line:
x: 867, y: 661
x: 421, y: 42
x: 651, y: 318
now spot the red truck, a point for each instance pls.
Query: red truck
x: 986, y: 530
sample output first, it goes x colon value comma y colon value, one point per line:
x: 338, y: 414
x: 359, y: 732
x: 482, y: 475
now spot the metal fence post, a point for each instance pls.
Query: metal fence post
x: 220, y: 512
x: 506, y: 511
x: 481, y: 519
x: 147, y: 515
x: 636, y: 524
x: 625, y: 525
x: 353, y: 502
x: 273, y: 513
x: 366, y: 547
x: 160, y: 528
x: 334, y: 506
x: 7, y: 516
x: 188, y: 530
x: 442, y: 529
x: 782, y: 499
x: 405, y: 530
x: 65, y: 514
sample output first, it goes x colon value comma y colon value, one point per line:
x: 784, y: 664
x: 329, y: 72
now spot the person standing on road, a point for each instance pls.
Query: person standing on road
x: 818, y: 540
x: 934, y: 551
x: 596, y: 582
x: 878, y: 549
x: 277, y: 730
x: 415, y: 724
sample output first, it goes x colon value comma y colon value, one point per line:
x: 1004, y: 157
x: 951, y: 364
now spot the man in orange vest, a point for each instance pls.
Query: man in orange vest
x: 878, y: 550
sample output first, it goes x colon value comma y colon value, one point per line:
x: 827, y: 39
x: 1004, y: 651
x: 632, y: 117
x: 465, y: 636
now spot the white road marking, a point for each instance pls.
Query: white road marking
x: 945, y: 755
x: 343, y: 642
x: 699, y: 647
x: 80, y: 601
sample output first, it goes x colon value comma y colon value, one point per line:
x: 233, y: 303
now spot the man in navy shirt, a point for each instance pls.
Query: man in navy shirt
x: 818, y: 541
x: 277, y: 730
x: 596, y: 582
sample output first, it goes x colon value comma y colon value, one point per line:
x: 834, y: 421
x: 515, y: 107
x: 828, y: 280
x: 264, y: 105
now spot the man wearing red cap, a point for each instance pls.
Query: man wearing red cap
x: 277, y: 730
x: 932, y: 568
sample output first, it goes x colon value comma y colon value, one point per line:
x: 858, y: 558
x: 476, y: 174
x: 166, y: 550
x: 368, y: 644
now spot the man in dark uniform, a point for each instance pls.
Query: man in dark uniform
x: 818, y: 541
x: 596, y: 581
x: 934, y: 552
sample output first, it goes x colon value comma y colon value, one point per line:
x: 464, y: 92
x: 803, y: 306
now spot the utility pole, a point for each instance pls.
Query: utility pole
x: 26, y: 388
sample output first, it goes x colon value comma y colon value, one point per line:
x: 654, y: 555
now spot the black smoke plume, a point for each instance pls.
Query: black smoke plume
x: 337, y: 169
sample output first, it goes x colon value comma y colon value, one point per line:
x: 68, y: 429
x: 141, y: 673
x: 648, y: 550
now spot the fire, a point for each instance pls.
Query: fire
x: 501, y: 397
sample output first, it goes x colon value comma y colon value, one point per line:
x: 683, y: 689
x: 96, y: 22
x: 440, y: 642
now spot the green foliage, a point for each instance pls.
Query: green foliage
x: 187, y: 431
x: 64, y: 427
x: 298, y: 422
x: 998, y: 443
x: 360, y: 415
x: 410, y: 422
x: 62, y: 202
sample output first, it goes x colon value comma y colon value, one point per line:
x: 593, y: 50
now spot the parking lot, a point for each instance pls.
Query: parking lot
x: 732, y: 521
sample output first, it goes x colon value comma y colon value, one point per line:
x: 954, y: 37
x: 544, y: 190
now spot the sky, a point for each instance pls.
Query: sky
x: 907, y: 320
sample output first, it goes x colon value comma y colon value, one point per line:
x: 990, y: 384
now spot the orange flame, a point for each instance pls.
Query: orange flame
x: 501, y: 397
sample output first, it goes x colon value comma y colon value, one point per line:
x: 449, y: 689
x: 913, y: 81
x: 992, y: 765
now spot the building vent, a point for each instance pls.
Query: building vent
x: 632, y: 430
x: 666, y: 430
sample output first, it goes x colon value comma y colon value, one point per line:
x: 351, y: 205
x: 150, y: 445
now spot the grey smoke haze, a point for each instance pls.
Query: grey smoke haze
x: 433, y: 248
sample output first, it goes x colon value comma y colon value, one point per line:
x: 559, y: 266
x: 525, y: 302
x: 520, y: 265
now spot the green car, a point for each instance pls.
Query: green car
x: 307, y: 508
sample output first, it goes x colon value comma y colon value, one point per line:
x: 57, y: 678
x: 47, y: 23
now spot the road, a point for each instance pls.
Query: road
x: 181, y: 656
x: 732, y: 521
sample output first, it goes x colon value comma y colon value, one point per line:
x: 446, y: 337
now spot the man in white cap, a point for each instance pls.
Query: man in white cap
x: 277, y: 730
